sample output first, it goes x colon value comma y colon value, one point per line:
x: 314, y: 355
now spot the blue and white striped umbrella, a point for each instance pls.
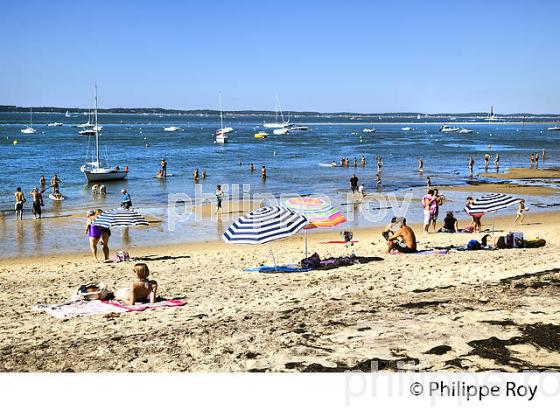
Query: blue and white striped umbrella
x: 120, y: 217
x: 265, y: 225
x: 490, y: 203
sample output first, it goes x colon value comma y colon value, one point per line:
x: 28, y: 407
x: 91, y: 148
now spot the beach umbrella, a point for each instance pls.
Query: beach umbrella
x: 490, y: 203
x: 264, y: 225
x: 120, y: 217
x: 319, y: 212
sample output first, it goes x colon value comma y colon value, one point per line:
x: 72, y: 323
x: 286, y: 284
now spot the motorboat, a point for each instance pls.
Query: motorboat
x: 294, y: 127
x: 447, y: 128
x: 406, y: 128
x: 553, y: 128
x: 465, y: 131
x: 95, y: 171
x: 29, y: 129
x: 172, y: 129
x: 261, y: 134
x: 280, y: 131
x: 55, y: 124
x: 369, y: 130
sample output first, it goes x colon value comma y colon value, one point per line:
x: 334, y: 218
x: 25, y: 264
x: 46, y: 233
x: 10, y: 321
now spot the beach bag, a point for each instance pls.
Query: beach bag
x: 474, y: 245
x: 314, y: 261
x: 121, y: 256
x: 468, y: 229
x: 91, y: 291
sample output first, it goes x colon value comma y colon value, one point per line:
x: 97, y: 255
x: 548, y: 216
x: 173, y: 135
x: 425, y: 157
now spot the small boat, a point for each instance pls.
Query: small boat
x: 280, y: 131
x: 298, y: 128
x: 55, y: 124
x: 261, y: 134
x: 447, y: 128
x: 67, y: 115
x: 222, y: 133
x: 85, y: 125
x: 369, y: 130
x: 172, y: 129
x: 406, y: 128
x: 465, y: 131
x: 56, y: 196
x: 553, y: 128
x: 93, y: 171
x: 225, y: 130
x: 29, y: 129
x: 87, y: 131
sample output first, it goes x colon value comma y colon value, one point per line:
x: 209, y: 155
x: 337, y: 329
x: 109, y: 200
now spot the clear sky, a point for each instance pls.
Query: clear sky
x: 345, y: 55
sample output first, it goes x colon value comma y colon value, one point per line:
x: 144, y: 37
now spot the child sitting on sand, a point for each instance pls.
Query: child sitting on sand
x: 141, y: 290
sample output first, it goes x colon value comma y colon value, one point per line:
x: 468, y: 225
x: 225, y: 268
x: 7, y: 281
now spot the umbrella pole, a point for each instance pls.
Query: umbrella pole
x: 305, y: 242
x: 273, y: 259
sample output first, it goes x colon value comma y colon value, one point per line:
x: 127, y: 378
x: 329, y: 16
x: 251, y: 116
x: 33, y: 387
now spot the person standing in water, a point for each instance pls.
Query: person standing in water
x: 497, y: 162
x: 486, y: 161
x: 163, y: 167
x: 428, y: 183
x: 219, y: 199
x: 420, y: 165
x: 363, y: 161
x: 37, y: 197
x: 251, y: 167
x: 196, y: 175
x: 379, y: 165
x: 355, y: 162
x: 263, y: 172
x: 536, y: 159
x: 20, y: 200
x: 42, y: 181
x: 542, y: 156
x: 532, y: 159
x: 378, y: 181
x: 203, y: 174
x: 55, y: 184
x: 354, y: 184
x: 471, y: 165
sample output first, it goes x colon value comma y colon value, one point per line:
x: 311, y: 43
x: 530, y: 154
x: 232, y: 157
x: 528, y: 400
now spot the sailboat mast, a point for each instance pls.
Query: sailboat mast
x: 96, y: 128
x: 31, y: 125
x: 221, y: 114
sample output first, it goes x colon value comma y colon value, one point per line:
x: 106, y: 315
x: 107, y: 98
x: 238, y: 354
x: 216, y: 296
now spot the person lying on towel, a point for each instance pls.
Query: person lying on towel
x: 405, y: 234
x: 141, y: 290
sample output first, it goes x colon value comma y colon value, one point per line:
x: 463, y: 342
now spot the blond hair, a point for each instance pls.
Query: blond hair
x: 142, y: 271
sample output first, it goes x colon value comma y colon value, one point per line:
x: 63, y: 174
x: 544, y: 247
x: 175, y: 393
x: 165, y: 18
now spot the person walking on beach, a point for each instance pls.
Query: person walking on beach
x: 434, y: 209
x: 20, y: 200
x: 263, y: 172
x: 497, y: 162
x: 536, y: 159
x: 363, y: 161
x: 354, y: 184
x: 408, y: 243
x: 105, y: 235
x: 362, y: 191
x: 520, y: 215
x: 427, y: 203
x: 532, y: 159
x: 428, y: 183
x: 420, y: 166
x: 37, y: 197
x: 378, y: 181
x: 163, y: 167
x: 219, y: 199
x: 476, y: 218
x: 471, y: 165
x: 93, y: 232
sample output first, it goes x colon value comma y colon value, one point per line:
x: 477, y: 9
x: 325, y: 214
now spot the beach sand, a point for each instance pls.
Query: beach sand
x: 482, y: 310
x: 502, y: 188
x: 524, y: 173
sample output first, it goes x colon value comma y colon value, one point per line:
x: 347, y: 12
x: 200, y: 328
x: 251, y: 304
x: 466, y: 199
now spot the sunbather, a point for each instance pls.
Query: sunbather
x: 408, y: 244
x: 143, y: 289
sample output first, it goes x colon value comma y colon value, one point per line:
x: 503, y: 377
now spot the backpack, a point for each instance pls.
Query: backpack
x: 121, y: 256
x: 474, y: 245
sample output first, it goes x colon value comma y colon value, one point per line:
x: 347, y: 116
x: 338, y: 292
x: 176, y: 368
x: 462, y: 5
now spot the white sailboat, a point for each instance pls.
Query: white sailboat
x: 222, y: 133
x: 276, y: 124
x: 55, y: 124
x: 93, y: 171
x: 67, y: 115
x: 491, y: 116
x: 29, y: 129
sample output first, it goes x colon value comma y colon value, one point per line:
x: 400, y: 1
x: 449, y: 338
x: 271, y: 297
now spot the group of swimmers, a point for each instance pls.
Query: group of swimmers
x: 534, y: 159
x: 345, y: 162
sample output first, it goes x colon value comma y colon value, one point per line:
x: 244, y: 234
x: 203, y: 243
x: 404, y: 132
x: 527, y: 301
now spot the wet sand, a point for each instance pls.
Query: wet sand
x: 524, y: 173
x: 502, y: 188
x: 484, y: 310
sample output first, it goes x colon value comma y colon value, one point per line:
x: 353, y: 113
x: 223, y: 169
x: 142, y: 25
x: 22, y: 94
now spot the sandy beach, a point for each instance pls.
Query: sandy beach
x: 474, y: 310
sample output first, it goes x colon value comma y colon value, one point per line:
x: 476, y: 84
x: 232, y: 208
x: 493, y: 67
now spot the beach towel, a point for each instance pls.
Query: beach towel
x: 100, y: 307
x: 336, y: 242
x: 278, y: 269
x: 424, y: 252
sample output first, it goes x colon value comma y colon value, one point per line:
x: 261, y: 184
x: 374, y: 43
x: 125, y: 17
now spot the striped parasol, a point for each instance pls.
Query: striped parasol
x: 318, y: 211
x: 264, y: 225
x: 490, y: 203
x: 120, y: 218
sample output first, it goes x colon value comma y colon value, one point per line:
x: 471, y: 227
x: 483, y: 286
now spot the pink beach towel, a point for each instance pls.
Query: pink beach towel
x: 139, y: 307
x: 100, y: 307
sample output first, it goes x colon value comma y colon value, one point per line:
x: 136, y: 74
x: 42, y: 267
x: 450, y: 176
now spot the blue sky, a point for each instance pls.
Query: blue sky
x: 365, y: 56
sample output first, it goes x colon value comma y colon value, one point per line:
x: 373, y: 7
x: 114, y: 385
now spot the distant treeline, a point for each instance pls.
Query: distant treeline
x: 75, y: 110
